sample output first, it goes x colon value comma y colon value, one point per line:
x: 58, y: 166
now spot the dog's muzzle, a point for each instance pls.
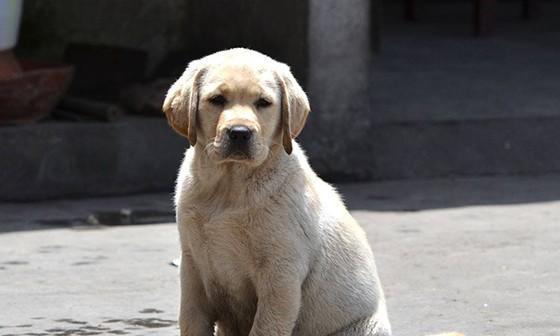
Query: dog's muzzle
x: 239, y: 140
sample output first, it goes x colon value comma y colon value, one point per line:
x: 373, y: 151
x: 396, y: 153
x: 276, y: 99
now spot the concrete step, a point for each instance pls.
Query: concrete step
x: 65, y: 159
x: 465, y: 147
x: 57, y: 159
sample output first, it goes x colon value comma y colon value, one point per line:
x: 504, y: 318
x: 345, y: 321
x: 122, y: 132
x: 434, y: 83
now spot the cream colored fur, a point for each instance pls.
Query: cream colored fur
x: 268, y: 248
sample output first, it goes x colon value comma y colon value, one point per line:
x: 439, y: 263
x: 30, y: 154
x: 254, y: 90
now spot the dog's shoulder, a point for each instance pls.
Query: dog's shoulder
x: 320, y: 198
x: 184, y: 179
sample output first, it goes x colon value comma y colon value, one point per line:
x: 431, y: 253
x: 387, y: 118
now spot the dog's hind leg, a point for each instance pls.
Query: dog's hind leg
x: 370, y: 326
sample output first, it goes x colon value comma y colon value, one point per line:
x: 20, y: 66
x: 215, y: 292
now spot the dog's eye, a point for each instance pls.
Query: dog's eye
x: 262, y: 103
x: 218, y: 100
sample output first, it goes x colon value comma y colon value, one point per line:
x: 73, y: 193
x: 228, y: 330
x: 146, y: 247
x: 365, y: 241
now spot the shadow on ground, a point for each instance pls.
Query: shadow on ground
x: 420, y: 195
x: 87, y: 213
x: 394, y: 196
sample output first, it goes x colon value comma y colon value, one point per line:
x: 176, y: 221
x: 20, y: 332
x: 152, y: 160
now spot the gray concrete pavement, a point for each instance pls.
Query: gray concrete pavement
x: 476, y: 255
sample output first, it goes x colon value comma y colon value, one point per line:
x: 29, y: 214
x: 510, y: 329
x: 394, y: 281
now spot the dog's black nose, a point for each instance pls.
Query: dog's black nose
x: 239, y: 134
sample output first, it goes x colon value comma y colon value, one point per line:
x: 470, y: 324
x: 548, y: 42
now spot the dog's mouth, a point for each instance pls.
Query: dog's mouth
x: 252, y: 154
x: 238, y: 155
x: 241, y: 151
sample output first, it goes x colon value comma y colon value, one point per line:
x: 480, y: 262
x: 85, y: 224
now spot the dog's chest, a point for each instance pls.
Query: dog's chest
x: 220, y: 245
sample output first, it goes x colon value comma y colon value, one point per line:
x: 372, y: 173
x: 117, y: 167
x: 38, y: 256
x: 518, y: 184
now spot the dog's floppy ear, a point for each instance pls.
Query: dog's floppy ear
x: 181, y: 102
x: 295, y: 107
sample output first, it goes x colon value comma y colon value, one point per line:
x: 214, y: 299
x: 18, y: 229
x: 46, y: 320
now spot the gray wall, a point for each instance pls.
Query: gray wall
x: 276, y: 28
x: 188, y: 29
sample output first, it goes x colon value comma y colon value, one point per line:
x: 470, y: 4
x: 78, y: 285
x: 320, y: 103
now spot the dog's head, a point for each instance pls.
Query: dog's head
x: 236, y: 104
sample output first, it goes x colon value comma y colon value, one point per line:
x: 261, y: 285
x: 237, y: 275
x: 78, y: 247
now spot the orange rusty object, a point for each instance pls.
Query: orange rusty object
x: 32, y: 94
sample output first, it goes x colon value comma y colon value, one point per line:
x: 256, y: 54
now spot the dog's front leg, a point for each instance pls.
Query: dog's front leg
x: 279, y: 300
x: 194, y: 317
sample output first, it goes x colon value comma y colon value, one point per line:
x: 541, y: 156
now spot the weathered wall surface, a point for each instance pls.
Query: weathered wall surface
x: 336, y: 136
x: 188, y: 29
x: 276, y: 28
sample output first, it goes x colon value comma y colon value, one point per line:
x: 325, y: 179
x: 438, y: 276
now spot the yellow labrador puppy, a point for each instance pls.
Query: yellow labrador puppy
x: 268, y: 248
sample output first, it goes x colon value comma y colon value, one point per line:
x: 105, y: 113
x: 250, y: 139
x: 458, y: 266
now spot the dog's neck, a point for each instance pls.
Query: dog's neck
x: 240, y: 181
